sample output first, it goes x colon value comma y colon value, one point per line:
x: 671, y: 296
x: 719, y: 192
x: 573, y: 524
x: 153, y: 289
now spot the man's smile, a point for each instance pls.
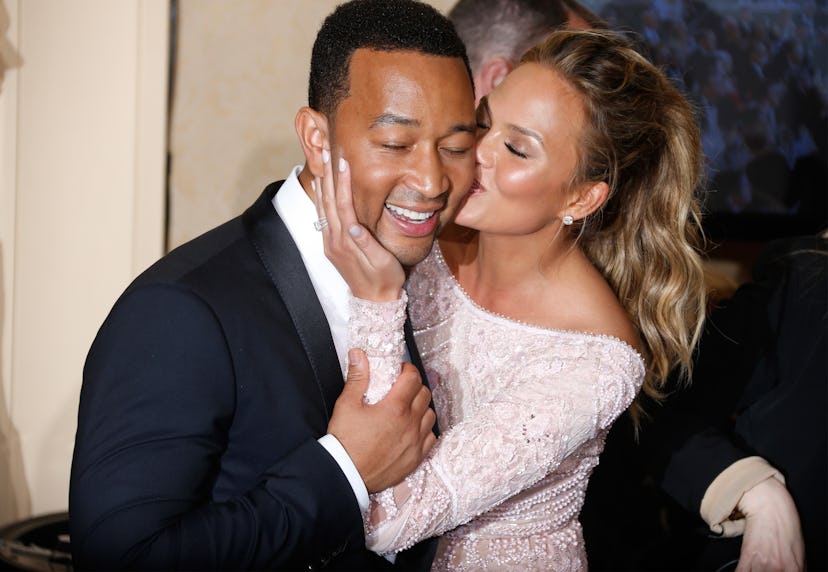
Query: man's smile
x: 417, y: 217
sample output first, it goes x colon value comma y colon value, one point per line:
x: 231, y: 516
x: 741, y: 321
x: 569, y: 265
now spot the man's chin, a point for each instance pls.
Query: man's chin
x: 411, y: 254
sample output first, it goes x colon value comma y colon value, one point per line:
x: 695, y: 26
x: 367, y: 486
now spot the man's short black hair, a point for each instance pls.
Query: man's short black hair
x: 382, y: 25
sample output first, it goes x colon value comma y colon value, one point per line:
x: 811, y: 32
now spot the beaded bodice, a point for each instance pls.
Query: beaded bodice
x: 523, y: 412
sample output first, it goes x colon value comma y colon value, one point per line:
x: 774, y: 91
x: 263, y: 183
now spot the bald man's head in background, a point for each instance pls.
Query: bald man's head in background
x: 498, y: 32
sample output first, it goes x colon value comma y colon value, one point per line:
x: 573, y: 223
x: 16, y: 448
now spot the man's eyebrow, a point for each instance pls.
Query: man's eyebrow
x: 393, y: 119
x: 387, y: 119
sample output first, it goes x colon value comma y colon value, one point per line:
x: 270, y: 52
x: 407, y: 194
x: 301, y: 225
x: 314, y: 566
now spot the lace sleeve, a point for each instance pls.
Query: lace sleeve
x: 377, y: 328
x: 505, y: 447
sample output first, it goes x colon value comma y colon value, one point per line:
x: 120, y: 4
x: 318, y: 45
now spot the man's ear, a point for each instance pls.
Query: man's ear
x: 312, y: 129
x: 587, y: 200
x: 492, y: 72
x: 575, y: 21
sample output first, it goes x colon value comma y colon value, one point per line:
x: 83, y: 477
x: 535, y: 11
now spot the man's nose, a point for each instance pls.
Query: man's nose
x: 428, y: 174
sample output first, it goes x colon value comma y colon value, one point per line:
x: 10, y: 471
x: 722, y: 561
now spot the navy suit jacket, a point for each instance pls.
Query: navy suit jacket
x: 204, y: 394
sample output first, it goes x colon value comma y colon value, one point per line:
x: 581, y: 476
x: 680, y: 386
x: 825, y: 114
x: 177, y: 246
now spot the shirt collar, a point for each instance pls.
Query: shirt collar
x: 297, y: 211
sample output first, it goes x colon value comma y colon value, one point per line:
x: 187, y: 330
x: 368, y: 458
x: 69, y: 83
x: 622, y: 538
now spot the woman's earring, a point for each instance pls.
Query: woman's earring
x: 568, y: 220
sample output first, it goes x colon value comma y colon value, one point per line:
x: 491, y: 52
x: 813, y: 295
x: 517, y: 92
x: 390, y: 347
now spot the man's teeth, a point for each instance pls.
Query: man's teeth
x: 414, y: 216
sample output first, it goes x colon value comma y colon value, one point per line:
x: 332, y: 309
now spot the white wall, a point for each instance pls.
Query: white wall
x: 83, y: 135
x: 14, y: 492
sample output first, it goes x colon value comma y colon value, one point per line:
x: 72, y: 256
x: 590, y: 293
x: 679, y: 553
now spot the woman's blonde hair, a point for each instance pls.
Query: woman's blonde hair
x: 642, y: 139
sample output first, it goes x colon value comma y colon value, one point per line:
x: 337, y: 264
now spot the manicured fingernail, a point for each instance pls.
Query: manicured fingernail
x: 354, y: 357
x: 313, y: 185
x: 341, y: 165
x: 355, y: 230
x: 326, y: 156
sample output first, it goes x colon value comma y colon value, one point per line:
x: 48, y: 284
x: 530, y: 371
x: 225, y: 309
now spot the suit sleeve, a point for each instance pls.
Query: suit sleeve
x: 691, y: 442
x: 753, y: 350
x: 156, y: 406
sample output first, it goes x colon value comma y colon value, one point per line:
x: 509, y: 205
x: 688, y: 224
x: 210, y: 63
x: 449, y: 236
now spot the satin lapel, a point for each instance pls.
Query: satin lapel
x: 421, y: 555
x: 414, y: 354
x: 286, y: 269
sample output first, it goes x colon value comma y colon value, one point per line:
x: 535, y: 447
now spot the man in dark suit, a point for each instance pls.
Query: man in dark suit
x: 755, y: 411
x: 211, y: 429
x: 741, y: 452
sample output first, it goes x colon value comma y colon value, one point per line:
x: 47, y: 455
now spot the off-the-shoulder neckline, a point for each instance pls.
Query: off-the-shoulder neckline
x: 443, y: 265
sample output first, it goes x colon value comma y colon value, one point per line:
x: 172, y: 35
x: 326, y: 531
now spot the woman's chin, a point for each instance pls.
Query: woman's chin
x: 465, y: 219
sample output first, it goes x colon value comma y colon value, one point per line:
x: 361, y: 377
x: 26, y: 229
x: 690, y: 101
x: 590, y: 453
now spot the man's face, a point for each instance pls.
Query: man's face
x: 407, y: 128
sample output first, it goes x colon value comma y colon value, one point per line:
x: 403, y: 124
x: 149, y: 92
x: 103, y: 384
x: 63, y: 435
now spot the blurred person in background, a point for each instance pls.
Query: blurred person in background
x: 498, y: 32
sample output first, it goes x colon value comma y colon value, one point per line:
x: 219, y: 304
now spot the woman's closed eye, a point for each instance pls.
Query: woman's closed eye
x: 515, y: 151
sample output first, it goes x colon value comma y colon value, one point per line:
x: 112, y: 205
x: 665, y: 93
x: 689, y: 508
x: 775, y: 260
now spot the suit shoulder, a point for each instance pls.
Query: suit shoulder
x: 197, y: 253
x: 212, y: 252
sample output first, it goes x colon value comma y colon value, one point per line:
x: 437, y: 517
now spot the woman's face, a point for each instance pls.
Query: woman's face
x: 528, y: 131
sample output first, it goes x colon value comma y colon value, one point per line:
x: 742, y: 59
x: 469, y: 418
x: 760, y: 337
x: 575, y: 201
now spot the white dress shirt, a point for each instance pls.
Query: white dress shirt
x: 298, y: 213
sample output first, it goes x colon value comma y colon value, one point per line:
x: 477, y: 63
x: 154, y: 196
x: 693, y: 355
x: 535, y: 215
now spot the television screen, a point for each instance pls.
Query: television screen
x: 757, y: 71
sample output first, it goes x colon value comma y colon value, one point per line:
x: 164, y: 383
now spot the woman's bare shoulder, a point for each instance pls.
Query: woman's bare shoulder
x: 588, y: 304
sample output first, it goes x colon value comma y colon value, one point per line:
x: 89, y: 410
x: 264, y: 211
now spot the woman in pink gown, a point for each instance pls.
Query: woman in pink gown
x: 571, y: 281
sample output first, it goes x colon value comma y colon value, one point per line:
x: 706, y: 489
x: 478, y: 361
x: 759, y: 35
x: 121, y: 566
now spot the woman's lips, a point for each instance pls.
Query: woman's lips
x: 475, y: 188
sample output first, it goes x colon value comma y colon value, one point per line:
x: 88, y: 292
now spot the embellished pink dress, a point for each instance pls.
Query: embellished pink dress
x: 523, y: 412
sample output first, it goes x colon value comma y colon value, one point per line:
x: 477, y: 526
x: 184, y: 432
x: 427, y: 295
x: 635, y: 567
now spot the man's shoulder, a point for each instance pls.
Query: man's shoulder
x: 196, y: 255
x: 220, y: 252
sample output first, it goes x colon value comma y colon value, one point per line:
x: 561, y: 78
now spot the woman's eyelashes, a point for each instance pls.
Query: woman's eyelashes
x: 515, y: 151
x: 483, y: 127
